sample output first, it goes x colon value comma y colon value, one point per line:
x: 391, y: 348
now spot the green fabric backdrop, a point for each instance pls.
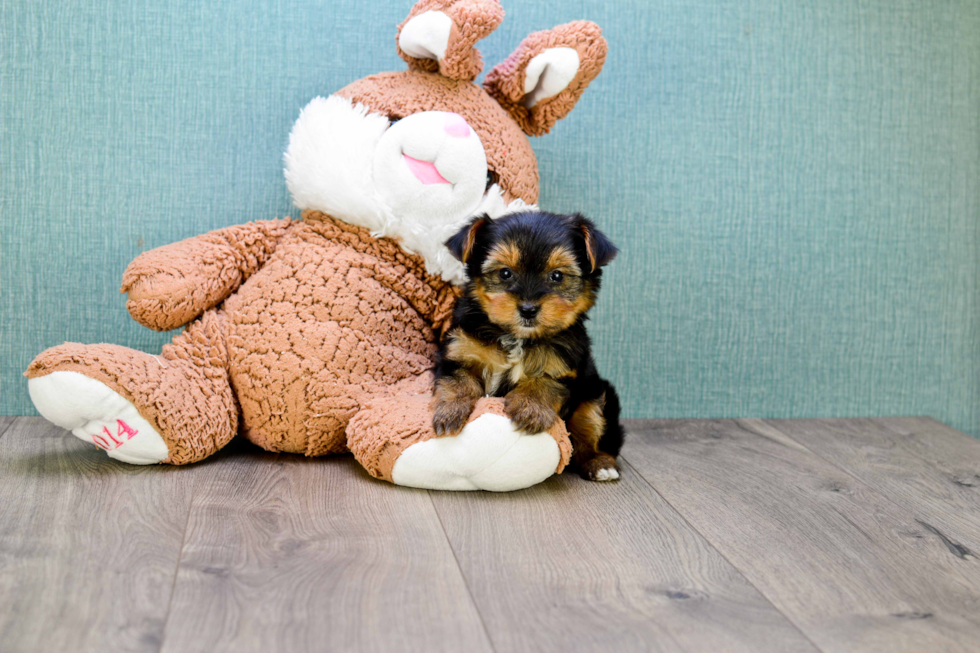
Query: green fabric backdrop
x: 795, y: 184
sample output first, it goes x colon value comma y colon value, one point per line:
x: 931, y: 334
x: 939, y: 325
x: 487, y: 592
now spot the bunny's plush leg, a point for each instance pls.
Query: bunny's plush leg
x: 174, y: 408
x: 392, y: 438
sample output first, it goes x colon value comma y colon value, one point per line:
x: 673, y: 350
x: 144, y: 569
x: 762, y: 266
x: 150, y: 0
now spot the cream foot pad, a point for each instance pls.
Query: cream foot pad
x: 488, y: 455
x: 97, y: 415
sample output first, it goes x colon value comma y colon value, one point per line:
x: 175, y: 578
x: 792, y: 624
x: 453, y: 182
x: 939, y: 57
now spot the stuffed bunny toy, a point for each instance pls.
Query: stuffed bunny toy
x: 317, y: 336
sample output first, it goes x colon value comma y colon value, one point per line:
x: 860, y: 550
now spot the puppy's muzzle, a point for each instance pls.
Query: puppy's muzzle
x: 528, y: 311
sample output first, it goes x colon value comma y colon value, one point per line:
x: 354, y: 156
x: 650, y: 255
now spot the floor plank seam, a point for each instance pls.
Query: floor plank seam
x: 462, y: 574
x: 180, y: 557
x: 911, y: 452
x: 960, y: 435
x: 911, y: 510
x: 10, y: 425
x: 723, y: 556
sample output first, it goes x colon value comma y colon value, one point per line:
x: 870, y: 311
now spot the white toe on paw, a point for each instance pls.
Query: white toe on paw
x: 98, y: 415
x: 607, y: 474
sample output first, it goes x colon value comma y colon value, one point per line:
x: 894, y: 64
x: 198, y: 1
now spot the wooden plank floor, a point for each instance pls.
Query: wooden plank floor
x: 723, y: 535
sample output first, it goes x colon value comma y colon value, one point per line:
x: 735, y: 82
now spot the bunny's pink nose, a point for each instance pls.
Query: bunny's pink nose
x: 456, y: 126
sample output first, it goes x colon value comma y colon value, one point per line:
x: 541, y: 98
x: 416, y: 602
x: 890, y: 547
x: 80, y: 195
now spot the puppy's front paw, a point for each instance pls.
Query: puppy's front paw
x: 601, y: 467
x: 528, y: 414
x: 449, y: 417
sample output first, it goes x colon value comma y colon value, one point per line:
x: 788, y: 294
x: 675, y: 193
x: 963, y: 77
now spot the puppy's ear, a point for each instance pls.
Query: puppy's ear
x: 461, y: 245
x: 598, y: 248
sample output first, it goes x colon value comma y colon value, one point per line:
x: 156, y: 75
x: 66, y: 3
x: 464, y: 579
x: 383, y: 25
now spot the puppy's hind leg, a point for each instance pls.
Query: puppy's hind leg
x: 597, y: 436
x: 612, y: 439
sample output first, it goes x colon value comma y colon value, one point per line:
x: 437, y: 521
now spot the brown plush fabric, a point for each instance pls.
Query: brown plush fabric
x: 472, y: 20
x: 335, y: 316
x: 509, y: 153
x: 387, y: 425
x: 184, y: 393
x: 506, y: 81
x: 171, y: 285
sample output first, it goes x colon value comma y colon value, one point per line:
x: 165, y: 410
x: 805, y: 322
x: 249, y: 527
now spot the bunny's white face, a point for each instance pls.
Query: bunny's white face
x: 418, y: 179
x: 430, y: 168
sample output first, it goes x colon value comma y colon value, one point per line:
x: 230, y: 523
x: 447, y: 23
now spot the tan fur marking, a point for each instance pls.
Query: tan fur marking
x: 563, y: 259
x: 589, y: 245
x: 488, y: 362
x: 453, y: 400
x: 557, y: 313
x: 583, y: 302
x: 534, y: 404
x: 545, y: 361
x: 462, y: 347
x: 459, y: 385
x: 500, y: 307
x: 586, y: 427
x: 506, y: 254
x: 471, y: 238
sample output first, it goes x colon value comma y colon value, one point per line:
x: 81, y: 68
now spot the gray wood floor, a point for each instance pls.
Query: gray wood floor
x: 728, y: 535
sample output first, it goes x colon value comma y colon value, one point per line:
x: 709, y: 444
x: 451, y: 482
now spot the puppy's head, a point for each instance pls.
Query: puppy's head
x: 533, y: 273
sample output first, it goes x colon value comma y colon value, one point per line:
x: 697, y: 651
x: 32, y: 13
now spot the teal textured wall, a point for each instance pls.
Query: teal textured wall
x: 795, y: 184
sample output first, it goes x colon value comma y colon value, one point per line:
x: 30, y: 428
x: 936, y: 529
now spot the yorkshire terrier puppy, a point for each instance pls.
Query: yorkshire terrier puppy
x: 518, y: 332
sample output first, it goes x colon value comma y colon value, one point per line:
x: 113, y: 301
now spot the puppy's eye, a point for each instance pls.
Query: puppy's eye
x: 492, y: 178
x: 556, y: 276
x: 505, y: 274
x: 393, y: 119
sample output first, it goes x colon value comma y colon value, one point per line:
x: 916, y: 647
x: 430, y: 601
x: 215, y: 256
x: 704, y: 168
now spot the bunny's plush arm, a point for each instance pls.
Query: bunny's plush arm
x: 171, y: 285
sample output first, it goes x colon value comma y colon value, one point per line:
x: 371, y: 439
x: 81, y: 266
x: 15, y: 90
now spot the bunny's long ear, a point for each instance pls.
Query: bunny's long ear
x: 545, y: 76
x: 439, y: 36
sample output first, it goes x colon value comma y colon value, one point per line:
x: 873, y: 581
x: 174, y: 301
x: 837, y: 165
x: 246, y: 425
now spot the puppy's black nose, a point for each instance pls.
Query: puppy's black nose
x: 528, y: 310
